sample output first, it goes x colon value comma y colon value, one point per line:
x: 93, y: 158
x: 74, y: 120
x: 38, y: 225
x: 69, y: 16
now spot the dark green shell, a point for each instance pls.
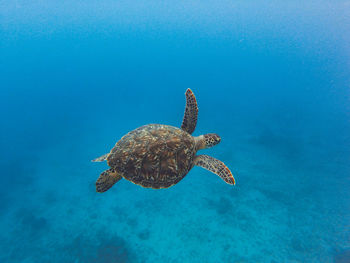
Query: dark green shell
x: 154, y: 155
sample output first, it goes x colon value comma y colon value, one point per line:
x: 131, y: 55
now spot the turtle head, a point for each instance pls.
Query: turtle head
x: 207, y: 140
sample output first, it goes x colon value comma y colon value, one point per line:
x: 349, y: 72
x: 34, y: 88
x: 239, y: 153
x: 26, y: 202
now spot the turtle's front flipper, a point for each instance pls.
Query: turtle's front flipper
x: 191, y: 112
x: 215, y: 166
x: 101, y: 158
x: 106, y: 180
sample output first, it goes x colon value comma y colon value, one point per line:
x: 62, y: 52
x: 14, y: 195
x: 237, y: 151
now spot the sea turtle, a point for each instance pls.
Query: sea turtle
x: 159, y: 156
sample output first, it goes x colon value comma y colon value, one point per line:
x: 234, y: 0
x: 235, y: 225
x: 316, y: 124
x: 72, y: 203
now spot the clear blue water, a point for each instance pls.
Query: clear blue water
x: 271, y: 78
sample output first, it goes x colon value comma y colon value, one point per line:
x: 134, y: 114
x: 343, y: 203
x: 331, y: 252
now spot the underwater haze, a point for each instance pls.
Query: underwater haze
x: 272, y: 78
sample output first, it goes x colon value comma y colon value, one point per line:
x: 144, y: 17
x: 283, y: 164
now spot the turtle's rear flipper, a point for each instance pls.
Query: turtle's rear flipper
x: 215, y: 166
x: 106, y: 180
x: 101, y: 158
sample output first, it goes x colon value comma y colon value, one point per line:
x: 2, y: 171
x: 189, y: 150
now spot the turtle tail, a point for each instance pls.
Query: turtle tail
x: 106, y: 180
x: 101, y: 158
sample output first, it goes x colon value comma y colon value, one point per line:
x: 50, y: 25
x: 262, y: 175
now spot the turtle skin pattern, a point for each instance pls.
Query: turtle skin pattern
x: 154, y: 155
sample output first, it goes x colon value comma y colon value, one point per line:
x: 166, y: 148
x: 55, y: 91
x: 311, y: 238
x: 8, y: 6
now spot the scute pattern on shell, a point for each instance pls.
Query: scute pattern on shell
x: 154, y: 155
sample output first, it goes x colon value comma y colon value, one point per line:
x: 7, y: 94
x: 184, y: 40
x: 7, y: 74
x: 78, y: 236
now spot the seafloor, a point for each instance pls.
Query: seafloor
x: 290, y: 204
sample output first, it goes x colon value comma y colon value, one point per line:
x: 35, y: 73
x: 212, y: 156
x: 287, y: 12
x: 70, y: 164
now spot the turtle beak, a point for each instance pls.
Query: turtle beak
x: 216, y: 139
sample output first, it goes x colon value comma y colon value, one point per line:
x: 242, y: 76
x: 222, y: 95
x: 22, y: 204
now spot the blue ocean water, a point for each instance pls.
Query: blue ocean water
x: 271, y: 78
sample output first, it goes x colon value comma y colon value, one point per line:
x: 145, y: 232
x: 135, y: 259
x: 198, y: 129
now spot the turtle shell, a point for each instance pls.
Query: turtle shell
x: 154, y: 155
